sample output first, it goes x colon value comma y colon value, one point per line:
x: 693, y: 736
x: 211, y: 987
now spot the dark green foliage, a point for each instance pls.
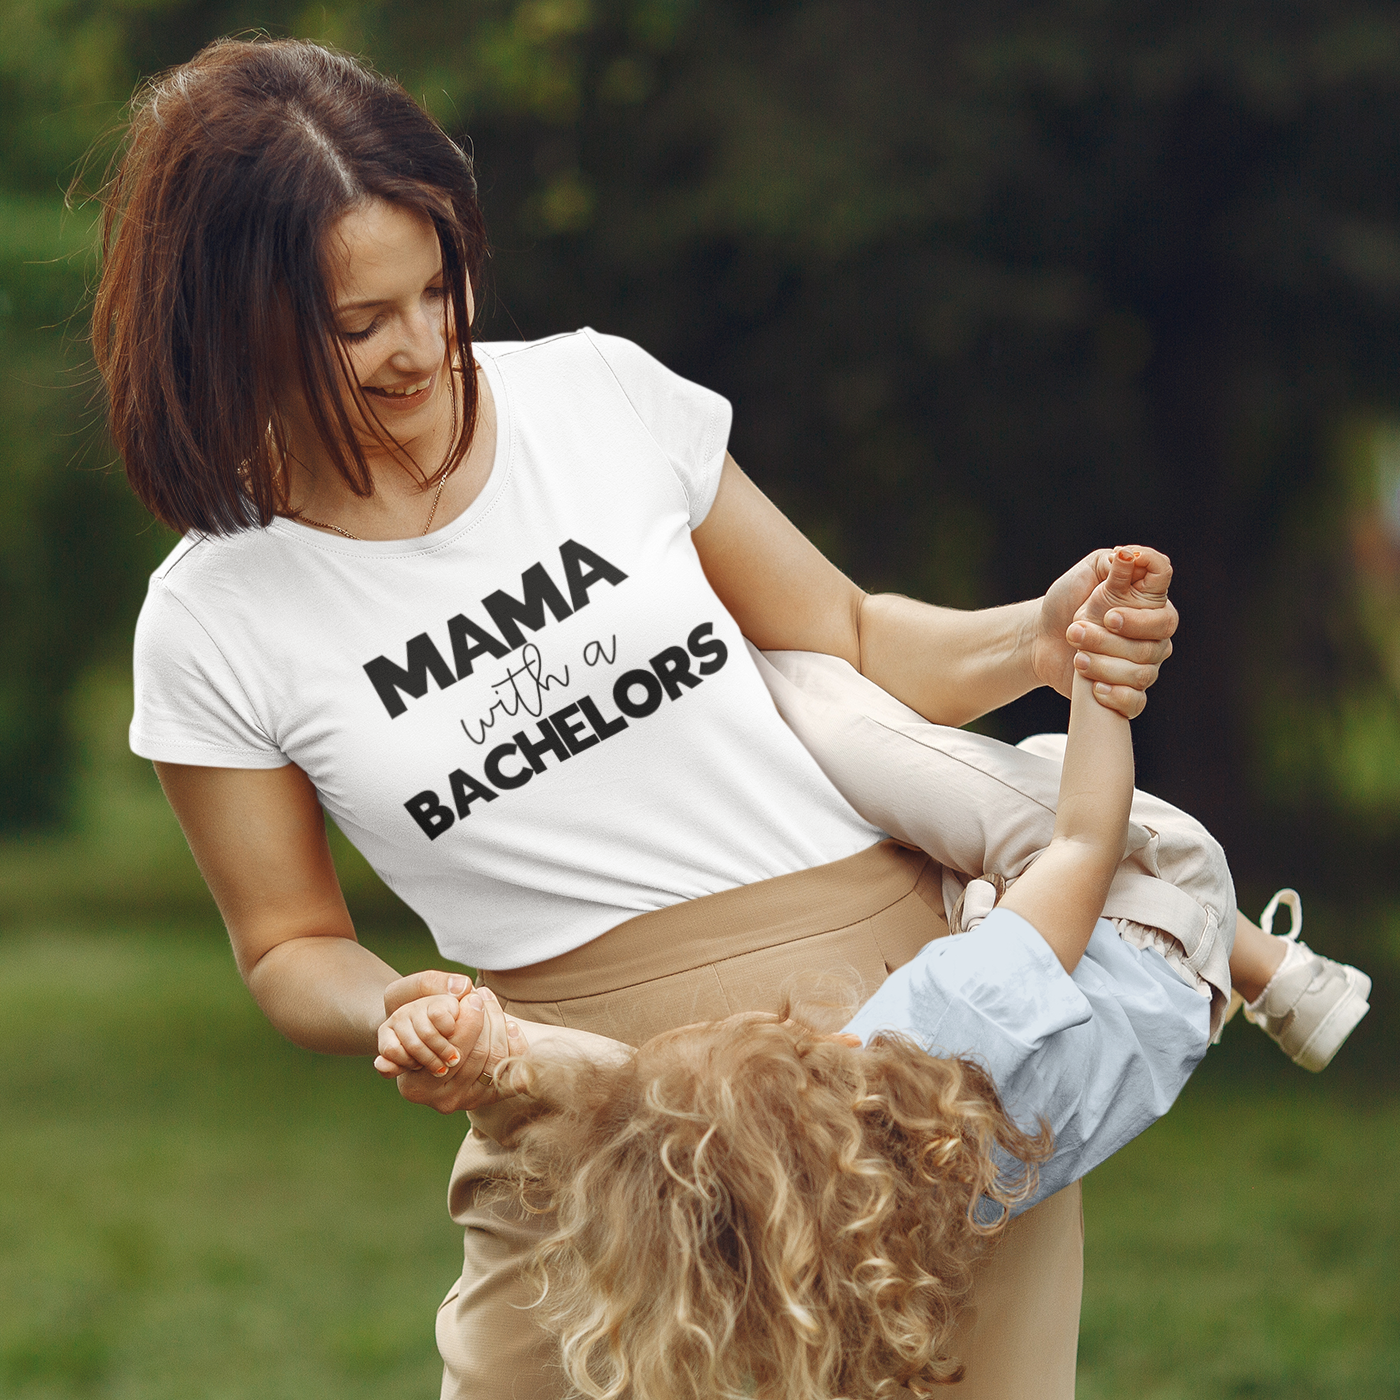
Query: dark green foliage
x: 74, y: 542
x: 989, y: 285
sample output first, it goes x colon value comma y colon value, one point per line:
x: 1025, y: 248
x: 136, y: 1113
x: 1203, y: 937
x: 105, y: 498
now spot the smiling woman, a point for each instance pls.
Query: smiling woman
x: 372, y: 508
x: 394, y: 322
x: 329, y: 283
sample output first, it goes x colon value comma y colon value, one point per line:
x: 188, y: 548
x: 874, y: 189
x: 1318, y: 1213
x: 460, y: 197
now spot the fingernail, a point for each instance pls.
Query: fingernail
x: 1081, y: 662
x: 457, y: 984
x: 1077, y: 633
x: 1114, y: 621
x: 440, y: 1071
x: 512, y: 1028
x: 1101, y: 688
x: 453, y: 1058
x: 475, y: 1001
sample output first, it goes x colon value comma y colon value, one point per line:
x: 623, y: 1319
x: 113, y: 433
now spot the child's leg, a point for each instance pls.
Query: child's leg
x: 979, y: 806
x: 1307, y: 1003
x: 1255, y: 958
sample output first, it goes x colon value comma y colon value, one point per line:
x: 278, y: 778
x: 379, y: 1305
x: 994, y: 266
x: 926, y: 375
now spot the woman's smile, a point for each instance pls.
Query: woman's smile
x: 402, y: 398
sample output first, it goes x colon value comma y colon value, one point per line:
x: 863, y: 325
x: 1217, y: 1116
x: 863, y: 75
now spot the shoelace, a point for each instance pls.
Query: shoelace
x: 1294, y: 902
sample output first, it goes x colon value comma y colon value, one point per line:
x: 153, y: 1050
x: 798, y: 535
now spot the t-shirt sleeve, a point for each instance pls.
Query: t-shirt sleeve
x: 689, y: 423
x: 190, y: 706
x: 997, y: 995
x: 1098, y: 1056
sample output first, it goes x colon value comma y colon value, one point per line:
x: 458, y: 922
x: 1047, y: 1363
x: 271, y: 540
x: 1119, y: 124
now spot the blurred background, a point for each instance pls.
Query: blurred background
x: 989, y: 285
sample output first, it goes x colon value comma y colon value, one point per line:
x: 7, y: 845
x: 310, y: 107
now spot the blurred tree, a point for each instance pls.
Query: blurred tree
x: 74, y: 542
x: 988, y: 285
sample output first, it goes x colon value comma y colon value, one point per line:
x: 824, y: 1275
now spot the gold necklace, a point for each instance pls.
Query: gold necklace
x: 437, y: 496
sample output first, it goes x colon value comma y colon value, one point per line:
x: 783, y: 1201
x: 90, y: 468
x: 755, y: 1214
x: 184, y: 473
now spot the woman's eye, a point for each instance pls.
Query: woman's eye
x: 436, y: 292
x: 365, y: 334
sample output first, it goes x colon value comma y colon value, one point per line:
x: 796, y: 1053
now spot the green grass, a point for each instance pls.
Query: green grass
x: 194, y: 1208
x: 1247, y: 1246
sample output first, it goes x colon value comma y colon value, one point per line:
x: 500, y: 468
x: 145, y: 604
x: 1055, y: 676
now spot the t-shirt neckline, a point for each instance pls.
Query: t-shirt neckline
x: 445, y: 535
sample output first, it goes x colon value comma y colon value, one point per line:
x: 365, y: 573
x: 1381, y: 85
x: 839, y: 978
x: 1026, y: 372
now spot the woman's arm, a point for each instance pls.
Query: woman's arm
x: 259, y: 838
x: 950, y: 666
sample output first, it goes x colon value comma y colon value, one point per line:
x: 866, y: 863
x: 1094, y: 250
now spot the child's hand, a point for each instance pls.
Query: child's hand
x: 1136, y: 579
x: 419, y: 1036
x: 482, y: 1037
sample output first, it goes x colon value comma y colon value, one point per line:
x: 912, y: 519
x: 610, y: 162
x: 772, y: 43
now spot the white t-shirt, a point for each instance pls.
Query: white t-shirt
x: 535, y: 722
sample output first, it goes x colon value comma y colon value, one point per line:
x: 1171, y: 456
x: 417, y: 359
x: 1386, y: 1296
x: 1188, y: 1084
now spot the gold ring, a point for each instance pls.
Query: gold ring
x: 487, y: 1078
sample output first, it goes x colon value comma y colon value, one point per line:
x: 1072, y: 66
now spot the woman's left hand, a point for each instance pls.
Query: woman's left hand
x: 1125, y: 654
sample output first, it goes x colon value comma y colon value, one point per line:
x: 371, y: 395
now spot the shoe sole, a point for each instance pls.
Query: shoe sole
x: 1337, y: 1024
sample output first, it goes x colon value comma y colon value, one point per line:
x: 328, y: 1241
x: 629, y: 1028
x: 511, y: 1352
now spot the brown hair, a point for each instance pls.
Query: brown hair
x: 236, y: 166
x: 748, y: 1208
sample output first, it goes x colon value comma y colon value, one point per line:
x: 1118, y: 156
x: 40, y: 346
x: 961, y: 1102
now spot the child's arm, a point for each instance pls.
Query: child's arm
x: 1063, y: 892
x: 400, y: 1046
x: 511, y: 1036
x: 538, y: 1035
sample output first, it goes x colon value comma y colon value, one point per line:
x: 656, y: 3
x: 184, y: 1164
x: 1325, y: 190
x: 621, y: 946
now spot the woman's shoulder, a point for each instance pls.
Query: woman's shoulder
x: 191, y: 695
x: 210, y: 585
x: 611, y: 382
x: 584, y: 354
x: 558, y: 345
x: 584, y: 344
x: 200, y: 563
x: 194, y: 554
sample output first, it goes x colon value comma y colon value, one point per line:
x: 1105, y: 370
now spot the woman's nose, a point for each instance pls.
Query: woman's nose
x: 423, y: 341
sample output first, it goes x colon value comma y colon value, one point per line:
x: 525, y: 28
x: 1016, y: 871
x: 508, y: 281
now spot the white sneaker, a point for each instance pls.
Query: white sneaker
x: 1311, y: 1003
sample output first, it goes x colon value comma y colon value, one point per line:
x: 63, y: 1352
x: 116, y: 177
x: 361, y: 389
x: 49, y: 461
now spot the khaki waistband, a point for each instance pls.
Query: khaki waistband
x: 728, y: 924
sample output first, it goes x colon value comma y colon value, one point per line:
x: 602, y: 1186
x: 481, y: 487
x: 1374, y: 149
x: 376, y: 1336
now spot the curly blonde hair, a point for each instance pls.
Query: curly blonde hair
x: 748, y: 1208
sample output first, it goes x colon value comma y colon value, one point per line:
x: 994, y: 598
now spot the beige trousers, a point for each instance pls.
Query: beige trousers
x: 703, y: 960
x: 978, y: 805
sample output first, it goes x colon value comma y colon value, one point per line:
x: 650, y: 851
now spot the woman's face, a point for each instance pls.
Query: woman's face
x: 393, y: 317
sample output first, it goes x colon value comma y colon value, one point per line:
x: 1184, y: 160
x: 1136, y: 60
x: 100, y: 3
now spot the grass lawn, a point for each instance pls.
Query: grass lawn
x: 193, y: 1208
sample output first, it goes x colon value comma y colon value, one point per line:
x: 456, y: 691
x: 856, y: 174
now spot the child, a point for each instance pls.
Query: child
x: 752, y: 1208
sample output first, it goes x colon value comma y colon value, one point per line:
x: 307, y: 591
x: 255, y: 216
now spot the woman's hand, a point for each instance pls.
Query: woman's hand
x: 1125, y: 652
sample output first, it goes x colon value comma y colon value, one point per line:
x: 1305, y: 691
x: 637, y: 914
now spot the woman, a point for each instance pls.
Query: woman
x: 488, y: 611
